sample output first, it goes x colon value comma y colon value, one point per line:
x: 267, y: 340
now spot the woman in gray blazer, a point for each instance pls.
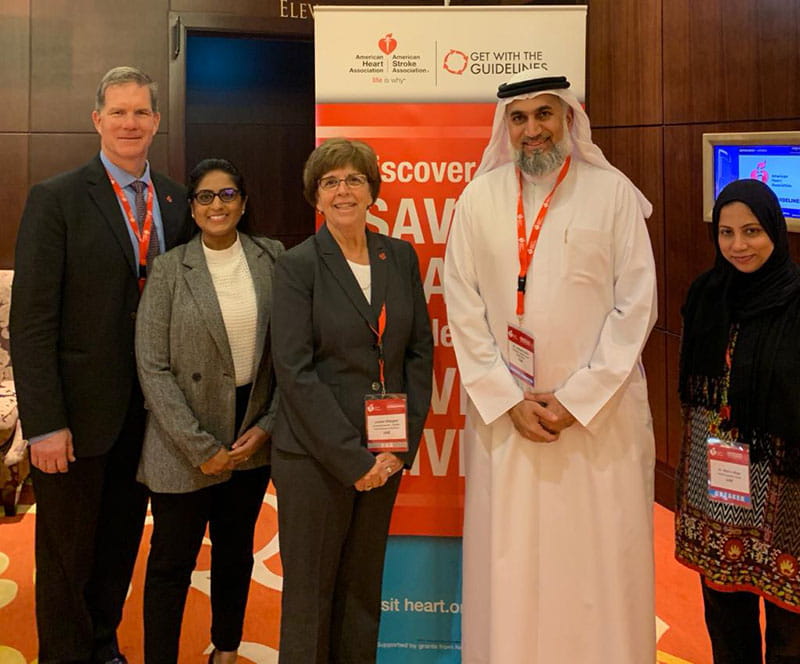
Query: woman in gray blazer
x: 351, y: 338
x: 202, y: 347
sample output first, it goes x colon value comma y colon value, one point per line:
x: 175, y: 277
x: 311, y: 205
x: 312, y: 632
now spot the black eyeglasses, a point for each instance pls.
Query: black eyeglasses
x: 206, y: 196
x: 353, y: 181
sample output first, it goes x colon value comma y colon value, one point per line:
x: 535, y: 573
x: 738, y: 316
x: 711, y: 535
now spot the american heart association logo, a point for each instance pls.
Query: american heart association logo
x: 387, y: 44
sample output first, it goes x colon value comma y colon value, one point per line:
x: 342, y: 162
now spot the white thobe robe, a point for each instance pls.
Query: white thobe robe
x: 558, y: 541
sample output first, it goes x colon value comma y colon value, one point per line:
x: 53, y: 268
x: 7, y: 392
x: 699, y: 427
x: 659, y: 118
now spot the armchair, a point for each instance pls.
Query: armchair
x: 15, y: 466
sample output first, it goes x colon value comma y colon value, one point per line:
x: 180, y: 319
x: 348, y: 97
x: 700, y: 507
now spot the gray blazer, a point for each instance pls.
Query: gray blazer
x: 186, y: 367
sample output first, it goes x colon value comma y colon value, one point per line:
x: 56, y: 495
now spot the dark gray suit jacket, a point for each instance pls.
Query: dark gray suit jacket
x: 325, y: 355
x: 74, y: 305
x: 186, y: 367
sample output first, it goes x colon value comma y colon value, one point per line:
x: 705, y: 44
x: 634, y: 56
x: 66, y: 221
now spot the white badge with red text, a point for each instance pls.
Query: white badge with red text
x: 729, y: 472
x: 521, y: 356
x: 386, y: 422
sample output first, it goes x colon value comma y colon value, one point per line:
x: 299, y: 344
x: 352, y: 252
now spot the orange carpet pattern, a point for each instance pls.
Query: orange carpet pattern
x: 682, y: 638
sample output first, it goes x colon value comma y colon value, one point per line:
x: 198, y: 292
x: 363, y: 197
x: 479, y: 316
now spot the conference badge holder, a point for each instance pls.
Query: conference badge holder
x: 521, y: 356
x: 386, y: 420
x: 729, y: 472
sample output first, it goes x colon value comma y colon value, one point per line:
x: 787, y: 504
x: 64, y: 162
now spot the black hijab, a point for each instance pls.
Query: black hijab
x: 764, y: 394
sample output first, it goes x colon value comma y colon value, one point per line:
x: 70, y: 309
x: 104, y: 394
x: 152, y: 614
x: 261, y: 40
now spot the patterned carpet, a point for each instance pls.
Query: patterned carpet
x: 682, y: 638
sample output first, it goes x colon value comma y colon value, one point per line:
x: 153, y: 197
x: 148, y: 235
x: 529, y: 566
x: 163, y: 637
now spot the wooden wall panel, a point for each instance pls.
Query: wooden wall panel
x: 654, y: 358
x: 728, y: 60
x: 689, y: 250
x: 624, y: 62
x: 75, y: 42
x: 665, y: 485
x: 14, y: 80
x: 14, y: 148
x: 638, y: 152
x: 674, y: 424
x: 668, y: 456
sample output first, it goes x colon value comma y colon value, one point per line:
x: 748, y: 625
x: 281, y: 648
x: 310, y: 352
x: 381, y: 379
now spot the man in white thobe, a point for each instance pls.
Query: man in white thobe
x: 558, y: 541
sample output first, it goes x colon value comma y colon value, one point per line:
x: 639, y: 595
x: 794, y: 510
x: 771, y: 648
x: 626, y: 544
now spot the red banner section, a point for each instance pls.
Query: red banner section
x: 427, y: 154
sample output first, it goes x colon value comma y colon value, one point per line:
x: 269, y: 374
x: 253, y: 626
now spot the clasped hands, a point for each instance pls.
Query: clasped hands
x: 386, y: 465
x: 242, y: 449
x: 540, y: 417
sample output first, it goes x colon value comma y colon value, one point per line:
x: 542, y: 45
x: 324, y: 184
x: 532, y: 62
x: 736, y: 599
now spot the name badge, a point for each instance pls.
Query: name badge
x: 386, y: 419
x: 521, y: 356
x: 729, y: 472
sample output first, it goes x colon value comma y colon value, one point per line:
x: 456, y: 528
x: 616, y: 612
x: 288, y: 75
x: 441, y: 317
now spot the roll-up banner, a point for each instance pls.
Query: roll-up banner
x: 419, y: 85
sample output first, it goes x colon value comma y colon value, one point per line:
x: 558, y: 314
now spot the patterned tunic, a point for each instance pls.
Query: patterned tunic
x: 736, y: 548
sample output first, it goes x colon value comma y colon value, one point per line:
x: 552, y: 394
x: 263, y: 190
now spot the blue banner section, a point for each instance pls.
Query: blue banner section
x: 421, y: 606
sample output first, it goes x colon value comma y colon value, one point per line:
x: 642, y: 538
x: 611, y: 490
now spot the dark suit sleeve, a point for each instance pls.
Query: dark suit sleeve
x: 35, y: 313
x: 418, y: 363
x: 308, y: 405
x: 186, y: 228
x: 267, y: 421
x: 177, y: 222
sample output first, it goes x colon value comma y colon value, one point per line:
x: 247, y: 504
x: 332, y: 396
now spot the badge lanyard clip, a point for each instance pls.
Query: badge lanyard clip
x: 379, y: 345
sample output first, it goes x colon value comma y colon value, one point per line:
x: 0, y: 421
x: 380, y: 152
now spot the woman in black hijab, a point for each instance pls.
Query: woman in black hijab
x: 737, y: 519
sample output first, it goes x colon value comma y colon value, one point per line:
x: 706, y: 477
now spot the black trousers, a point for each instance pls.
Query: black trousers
x: 89, y: 524
x: 333, y: 543
x: 732, y: 620
x: 179, y: 522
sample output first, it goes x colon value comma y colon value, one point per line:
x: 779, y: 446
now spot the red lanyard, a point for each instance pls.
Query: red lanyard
x: 379, y: 344
x: 725, y: 409
x: 724, y: 412
x: 144, y: 237
x: 526, y: 250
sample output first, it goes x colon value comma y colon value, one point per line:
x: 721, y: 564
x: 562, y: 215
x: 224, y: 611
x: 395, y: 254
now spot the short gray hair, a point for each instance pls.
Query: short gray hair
x: 120, y: 76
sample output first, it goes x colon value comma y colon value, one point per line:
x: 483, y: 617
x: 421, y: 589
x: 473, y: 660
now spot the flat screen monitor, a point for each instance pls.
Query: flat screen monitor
x: 770, y: 156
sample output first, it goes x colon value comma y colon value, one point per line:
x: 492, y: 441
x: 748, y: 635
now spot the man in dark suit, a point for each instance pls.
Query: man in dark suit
x: 84, y: 242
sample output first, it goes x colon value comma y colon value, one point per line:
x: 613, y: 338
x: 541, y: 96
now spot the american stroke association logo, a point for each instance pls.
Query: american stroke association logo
x: 455, y: 61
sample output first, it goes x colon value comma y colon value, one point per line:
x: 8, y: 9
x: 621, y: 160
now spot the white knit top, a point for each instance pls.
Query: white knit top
x: 363, y: 276
x: 237, y: 301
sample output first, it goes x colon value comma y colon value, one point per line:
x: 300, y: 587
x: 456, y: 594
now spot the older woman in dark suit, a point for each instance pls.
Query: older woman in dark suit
x: 205, y: 369
x: 350, y: 327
